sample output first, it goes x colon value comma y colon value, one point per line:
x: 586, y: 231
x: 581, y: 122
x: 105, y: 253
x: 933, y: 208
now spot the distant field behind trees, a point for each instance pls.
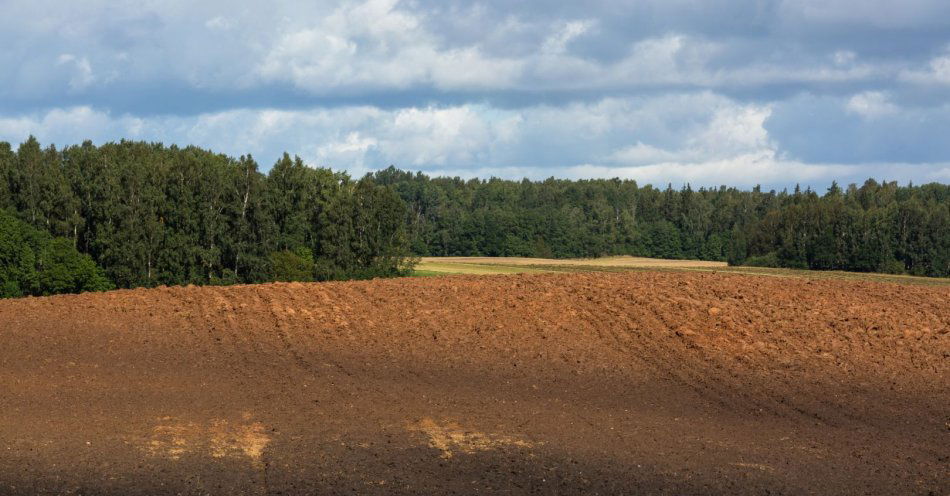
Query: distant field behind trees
x: 133, y: 214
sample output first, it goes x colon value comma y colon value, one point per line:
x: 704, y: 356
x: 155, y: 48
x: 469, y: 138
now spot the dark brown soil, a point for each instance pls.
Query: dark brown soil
x: 619, y: 383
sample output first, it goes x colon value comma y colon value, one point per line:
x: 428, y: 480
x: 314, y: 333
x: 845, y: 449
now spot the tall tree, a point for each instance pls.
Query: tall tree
x: 7, y: 163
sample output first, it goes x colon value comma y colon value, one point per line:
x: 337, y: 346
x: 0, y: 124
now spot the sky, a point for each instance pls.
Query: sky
x: 735, y: 92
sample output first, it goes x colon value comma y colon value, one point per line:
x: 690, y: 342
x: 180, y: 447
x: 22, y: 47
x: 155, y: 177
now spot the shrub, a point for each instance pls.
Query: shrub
x: 33, y: 263
x: 767, y: 260
x: 288, y: 266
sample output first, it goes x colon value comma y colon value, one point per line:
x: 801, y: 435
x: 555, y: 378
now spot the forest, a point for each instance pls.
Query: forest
x: 875, y: 227
x: 135, y: 214
x: 150, y: 215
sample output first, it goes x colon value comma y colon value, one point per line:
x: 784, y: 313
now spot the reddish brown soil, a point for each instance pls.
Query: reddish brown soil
x: 668, y: 383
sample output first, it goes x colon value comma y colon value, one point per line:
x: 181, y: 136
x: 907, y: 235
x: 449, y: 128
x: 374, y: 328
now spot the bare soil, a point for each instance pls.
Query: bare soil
x: 594, y: 383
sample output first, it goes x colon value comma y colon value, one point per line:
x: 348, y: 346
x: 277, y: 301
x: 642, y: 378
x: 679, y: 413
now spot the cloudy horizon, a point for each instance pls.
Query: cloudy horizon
x: 708, y: 93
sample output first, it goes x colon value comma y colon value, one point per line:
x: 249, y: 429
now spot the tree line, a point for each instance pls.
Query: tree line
x: 132, y: 214
x: 875, y: 227
x: 149, y: 215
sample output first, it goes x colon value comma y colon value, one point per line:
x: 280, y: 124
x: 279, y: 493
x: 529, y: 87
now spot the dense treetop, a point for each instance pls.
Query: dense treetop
x: 34, y: 263
x: 133, y: 214
x: 150, y: 214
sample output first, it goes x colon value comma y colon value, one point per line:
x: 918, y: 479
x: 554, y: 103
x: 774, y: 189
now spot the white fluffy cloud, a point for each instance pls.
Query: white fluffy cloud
x: 701, y: 138
x: 755, y: 167
x: 871, y: 104
x: 728, y: 132
x: 360, y: 47
x: 334, y: 57
x: 731, y: 147
x: 69, y: 126
x: 374, y: 44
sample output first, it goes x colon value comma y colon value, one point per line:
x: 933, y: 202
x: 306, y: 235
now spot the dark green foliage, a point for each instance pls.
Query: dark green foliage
x: 663, y: 240
x: 152, y: 215
x: 33, y: 263
x: 62, y: 269
x: 877, y: 227
x: 364, y: 234
x: 290, y: 266
x: 874, y: 228
x: 7, y: 158
x: 767, y: 260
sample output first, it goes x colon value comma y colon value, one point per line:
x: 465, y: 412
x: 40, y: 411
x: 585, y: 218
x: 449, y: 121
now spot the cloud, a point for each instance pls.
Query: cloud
x: 731, y: 147
x: 352, y: 149
x: 69, y: 126
x: 82, y: 75
x: 745, y: 90
x: 375, y: 45
x: 323, y: 59
x: 219, y: 23
x: 701, y: 138
x: 556, y: 44
x: 757, y: 167
x: 731, y: 131
x: 871, y: 104
x: 879, y: 14
x: 640, y: 154
x: 861, y: 128
x: 937, y: 72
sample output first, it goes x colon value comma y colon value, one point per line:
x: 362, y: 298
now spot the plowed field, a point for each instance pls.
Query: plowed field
x: 567, y: 383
